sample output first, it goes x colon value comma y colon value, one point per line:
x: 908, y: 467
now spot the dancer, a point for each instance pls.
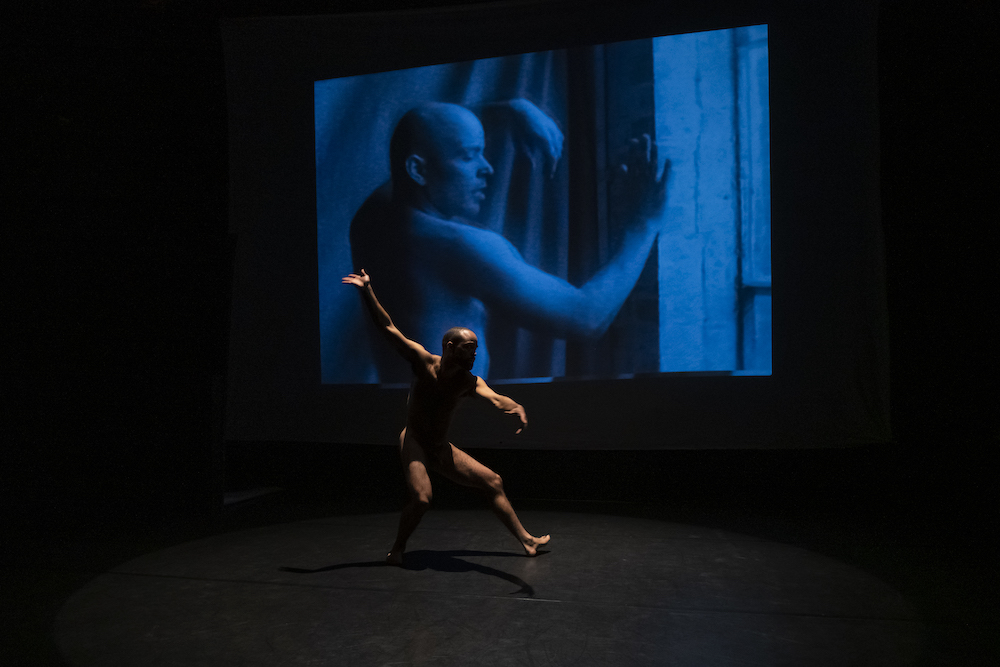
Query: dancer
x: 439, y: 383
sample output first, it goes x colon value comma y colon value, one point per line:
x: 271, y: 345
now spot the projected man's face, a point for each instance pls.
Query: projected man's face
x: 455, y: 174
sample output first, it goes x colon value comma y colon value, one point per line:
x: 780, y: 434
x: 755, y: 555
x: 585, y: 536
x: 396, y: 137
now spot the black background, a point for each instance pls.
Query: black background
x: 118, y: 261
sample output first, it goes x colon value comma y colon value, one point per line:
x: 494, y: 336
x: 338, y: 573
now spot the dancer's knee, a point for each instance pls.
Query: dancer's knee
x: 494, y: 483
x: 421, y: 501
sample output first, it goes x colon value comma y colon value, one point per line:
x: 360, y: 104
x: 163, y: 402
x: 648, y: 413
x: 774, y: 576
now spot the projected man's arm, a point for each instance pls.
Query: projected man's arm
x: 536, y: 130
x: 412, y: 351
x: 543, y: 300
x: 504, y: 279
x: 440, y: 178
x: 505, y: 403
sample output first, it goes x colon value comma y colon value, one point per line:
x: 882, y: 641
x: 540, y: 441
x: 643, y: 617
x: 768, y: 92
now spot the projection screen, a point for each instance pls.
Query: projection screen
x: 728, y: 115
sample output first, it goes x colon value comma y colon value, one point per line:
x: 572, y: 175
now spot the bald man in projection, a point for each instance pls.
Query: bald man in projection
x: 438, y: 269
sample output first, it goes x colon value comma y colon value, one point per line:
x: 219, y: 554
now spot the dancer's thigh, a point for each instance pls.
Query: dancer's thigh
x: 462, y: 469
x: 415, y: 465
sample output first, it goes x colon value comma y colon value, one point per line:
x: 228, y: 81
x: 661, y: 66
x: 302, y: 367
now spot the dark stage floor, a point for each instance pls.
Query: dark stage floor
x: 282, y: 581
x: 611, y: 591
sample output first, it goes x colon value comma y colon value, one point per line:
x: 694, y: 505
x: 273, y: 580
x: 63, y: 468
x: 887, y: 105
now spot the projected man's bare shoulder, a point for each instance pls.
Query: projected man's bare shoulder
x: 466, y: 246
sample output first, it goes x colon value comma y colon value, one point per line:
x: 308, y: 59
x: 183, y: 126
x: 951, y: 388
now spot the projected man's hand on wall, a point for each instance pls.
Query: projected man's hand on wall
x: 444, y: 270
x: 636, y: 185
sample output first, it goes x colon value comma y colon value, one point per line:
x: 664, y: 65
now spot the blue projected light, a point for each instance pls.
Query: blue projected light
x: 638, y: 244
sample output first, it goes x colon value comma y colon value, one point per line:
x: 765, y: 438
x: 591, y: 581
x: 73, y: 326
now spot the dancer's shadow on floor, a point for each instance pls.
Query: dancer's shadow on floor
x: 439, y: 561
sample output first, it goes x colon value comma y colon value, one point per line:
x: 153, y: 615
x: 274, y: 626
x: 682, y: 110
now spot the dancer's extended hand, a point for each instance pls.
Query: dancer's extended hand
x: 358, y: 281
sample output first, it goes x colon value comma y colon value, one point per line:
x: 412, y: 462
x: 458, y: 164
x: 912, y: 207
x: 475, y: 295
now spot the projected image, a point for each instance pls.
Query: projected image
x: 601, y: 212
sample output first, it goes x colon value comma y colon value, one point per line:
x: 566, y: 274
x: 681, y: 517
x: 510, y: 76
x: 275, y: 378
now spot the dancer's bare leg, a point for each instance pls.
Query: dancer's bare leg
x: 418, y: 486
x: 465, y: 470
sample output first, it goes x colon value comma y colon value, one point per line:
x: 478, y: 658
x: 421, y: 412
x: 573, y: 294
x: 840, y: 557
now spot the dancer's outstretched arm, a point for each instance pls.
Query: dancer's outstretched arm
x: 412, y: 351
x: 505, y: 403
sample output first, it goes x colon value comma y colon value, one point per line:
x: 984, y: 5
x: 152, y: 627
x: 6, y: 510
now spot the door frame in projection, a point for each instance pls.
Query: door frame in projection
x: 714, y: 253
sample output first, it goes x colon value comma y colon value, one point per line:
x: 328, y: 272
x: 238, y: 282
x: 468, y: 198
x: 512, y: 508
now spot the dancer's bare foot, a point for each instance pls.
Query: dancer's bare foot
x: 394, y: 558
x: 530, y: 543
